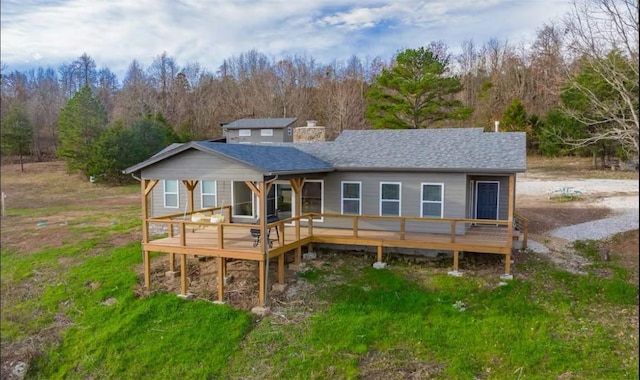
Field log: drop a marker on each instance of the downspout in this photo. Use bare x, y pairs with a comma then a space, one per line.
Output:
265, 239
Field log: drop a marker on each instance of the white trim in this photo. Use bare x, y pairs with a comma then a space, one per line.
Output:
244, 132
399, 200
266, 132
165, 193
253, 201
475, 208
342, 198
321, 182
214, 194
422, 201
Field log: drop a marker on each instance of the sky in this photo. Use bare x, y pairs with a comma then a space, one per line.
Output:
48, 33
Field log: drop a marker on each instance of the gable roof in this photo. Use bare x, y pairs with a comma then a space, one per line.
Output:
446, 149
268, 159
261, 123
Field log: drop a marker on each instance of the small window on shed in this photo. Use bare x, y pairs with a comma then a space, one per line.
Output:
244, 132
266, 132
289, 131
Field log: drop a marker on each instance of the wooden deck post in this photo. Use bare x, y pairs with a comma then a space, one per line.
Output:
379, 253
147, 269
172, 262
261, 283
191, 186
183, 274
455, 260
507, 264
281, 269
146, 187
221, 261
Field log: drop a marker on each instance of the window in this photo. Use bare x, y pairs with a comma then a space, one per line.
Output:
208, 191
242, 199
390, 198
289, 131
351, 196
266, 132
432, 200
244, 132
171, 193
312, 197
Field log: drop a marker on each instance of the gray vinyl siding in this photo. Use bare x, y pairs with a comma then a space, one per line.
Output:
279, 135
454, 198
195, 165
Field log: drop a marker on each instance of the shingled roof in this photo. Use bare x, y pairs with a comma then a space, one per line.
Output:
267, 159
446, 149
261, 123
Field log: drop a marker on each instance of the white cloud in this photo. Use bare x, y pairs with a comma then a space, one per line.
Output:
115, 32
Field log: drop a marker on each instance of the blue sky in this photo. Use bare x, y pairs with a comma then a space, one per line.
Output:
47, 33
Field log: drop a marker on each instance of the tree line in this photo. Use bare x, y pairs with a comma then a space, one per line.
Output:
573, 90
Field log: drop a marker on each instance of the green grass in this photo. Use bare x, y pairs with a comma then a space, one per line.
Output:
500, 331
445, 326
158, 337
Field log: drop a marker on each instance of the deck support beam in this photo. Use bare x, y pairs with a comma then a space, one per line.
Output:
172, 262
221, 261
455, 260
183, 274
281, 269
147, 269
261, 283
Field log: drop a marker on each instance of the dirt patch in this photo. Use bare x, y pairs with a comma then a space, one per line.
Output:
546, 214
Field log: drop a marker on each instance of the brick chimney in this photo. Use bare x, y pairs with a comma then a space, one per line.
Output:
309, 133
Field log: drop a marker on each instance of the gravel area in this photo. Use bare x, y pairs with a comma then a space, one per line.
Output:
586, 186
624, 204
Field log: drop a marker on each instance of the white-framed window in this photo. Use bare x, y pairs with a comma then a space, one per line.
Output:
171, 194
351, 197
244, 132
266, 132
390, 198
312, 197
242, 200
208, 194
432, 200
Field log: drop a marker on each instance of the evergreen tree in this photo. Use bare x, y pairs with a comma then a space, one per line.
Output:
416, 92
118, 148
17, 134
514, 117
80, 124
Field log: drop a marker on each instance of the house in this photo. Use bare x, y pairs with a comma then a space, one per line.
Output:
269, 130
447, 189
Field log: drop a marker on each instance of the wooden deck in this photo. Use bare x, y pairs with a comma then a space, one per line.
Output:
234, 240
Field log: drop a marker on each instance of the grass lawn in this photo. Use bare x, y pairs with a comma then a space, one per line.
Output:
71, 309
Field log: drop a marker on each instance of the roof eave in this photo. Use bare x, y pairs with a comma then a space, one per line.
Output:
297, 172
439, 170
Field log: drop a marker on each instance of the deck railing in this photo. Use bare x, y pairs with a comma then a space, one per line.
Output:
521, 224
451, 230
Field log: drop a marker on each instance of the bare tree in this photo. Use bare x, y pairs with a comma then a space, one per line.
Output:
603, 37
